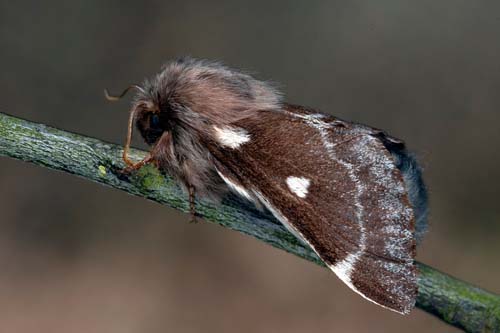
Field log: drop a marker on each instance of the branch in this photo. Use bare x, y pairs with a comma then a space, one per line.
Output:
453, 301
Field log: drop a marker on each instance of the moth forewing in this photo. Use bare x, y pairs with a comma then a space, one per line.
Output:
339, 191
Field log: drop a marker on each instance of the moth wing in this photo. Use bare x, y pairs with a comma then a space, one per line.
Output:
335, 186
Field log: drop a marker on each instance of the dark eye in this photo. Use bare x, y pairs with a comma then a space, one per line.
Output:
155, 121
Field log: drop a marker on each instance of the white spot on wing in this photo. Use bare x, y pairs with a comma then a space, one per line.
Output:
231, 137
298, 185
235, 187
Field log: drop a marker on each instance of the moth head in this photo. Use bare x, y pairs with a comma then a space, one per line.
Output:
151, 121
150, 116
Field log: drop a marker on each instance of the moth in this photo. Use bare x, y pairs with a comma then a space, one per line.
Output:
353, 193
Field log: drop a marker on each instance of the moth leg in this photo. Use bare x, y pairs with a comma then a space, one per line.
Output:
192, 206
136, 166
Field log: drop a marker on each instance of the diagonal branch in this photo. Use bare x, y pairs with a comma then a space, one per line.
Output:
453, 301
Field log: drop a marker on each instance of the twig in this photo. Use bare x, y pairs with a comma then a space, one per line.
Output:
453, 301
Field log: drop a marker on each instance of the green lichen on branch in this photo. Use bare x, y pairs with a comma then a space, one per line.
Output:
453, 301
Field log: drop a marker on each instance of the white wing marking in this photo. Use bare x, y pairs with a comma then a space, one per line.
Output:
298, 185
231, 137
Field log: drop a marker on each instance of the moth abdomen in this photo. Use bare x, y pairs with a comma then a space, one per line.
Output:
411, 171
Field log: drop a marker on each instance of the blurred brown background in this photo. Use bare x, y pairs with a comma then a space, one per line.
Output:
79, 257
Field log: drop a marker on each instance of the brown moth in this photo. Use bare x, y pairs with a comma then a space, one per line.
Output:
350, 192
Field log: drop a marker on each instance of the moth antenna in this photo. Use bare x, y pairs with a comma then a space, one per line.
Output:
126, 149
115, 98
